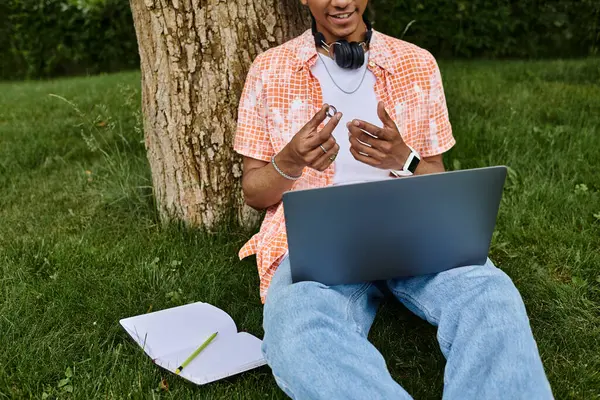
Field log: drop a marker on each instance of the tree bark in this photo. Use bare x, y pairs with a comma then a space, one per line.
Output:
194, 57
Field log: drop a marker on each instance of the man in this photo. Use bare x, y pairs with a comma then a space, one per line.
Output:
390, 106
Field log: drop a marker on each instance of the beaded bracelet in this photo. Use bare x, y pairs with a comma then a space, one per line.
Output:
286, 176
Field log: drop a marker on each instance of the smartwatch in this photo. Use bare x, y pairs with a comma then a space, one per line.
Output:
410, 166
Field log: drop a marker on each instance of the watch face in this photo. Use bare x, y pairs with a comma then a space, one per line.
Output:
413, 164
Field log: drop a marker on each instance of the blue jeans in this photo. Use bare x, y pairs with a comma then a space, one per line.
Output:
316, 336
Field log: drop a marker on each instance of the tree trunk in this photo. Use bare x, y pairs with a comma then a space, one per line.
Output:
194, 57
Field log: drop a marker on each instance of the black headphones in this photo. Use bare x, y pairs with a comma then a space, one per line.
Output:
350, 55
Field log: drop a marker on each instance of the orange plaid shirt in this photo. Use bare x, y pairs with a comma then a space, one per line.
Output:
281, 95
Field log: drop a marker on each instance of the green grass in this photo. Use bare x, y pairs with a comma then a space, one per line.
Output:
80, 246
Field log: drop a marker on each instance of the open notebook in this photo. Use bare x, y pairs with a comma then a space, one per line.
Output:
170, 336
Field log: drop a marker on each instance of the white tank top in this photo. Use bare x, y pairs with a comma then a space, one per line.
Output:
361, 104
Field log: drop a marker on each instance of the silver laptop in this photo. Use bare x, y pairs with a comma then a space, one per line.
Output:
393, 228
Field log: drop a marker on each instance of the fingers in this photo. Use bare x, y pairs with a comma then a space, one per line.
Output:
363, 149
308, 147
384, 116
326, 159
325, 133
319, 117
329, 144
367, 127
389, 130
316, 154
313, 157
382, 145
316, 120
364, 159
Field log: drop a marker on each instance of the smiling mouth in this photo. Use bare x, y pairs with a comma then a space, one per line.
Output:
342, 16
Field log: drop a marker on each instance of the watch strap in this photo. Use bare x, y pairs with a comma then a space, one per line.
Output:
411, 164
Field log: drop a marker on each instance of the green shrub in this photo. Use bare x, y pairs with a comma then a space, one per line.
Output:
43, 38
501, 28
64, 37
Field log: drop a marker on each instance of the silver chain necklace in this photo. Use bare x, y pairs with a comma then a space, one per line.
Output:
333, 80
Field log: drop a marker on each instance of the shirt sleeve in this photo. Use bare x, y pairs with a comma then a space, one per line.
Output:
251, 137
439, 136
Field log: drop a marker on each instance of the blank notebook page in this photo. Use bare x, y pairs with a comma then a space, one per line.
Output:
168, 331
224, 356
170, 336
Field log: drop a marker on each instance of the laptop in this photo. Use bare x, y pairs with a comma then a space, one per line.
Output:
393, 228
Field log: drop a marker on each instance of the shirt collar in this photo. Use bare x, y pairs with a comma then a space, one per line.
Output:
306, 52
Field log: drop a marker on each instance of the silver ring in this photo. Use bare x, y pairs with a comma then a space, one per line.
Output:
331, 111
323, 148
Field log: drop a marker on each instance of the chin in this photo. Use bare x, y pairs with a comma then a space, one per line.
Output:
342, 32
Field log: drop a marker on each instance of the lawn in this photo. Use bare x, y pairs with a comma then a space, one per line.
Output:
80, 246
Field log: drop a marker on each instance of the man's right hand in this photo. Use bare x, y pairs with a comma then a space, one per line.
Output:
309, 148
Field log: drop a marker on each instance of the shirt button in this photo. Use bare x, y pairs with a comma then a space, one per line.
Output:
371, 64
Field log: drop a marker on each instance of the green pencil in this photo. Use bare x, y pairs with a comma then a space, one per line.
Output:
195, 353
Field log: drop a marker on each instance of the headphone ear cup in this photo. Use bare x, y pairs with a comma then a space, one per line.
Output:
343, 58
337, 53
352, 56
359, 56
348, 55
362, 56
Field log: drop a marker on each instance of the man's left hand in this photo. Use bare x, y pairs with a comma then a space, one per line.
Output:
380, 147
